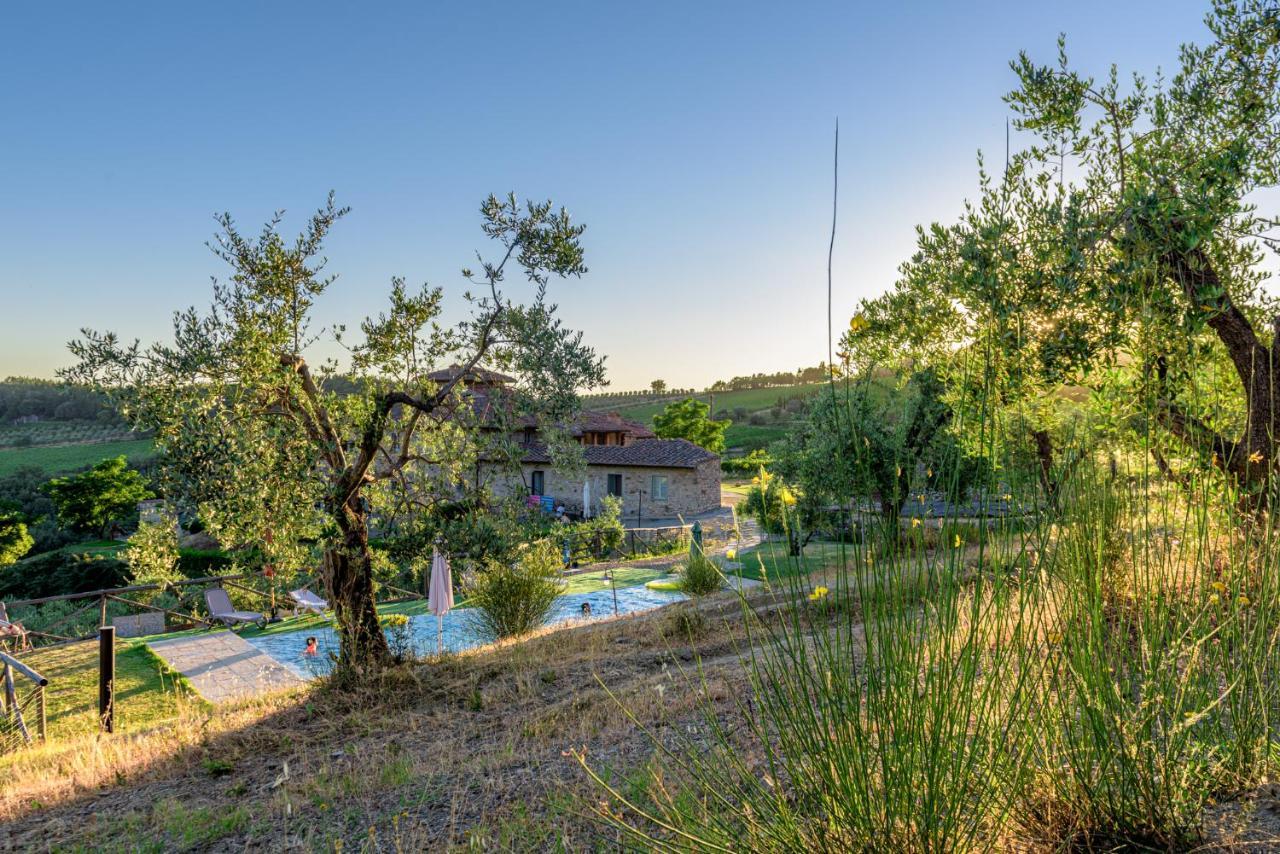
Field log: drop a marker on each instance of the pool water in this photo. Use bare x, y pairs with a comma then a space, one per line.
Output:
459, 629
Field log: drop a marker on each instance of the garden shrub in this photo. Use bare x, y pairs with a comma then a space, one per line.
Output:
746, 465
700, 576
399, 635
202, 563
509, 599
602, 533
57, 573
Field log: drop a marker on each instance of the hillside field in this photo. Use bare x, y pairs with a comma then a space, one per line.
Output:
742, 435
56, 459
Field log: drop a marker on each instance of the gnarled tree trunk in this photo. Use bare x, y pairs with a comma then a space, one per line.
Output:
349, 581
1249, 459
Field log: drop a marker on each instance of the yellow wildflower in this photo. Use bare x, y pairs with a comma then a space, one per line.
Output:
1055, 638
1242, 601
928, 472
915, 522
818, 593
1213, 460
1219, 586
755, 480
731, 553
1255, 457
959, 542
1215, 599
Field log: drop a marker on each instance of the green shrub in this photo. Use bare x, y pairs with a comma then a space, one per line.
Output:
602, 534
399, 635
513, 599
699, 575
59, 572
747, 465
198, 563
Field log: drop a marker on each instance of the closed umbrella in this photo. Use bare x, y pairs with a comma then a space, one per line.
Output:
440, 594
586, 499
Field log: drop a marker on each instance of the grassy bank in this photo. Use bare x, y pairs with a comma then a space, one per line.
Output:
146, 694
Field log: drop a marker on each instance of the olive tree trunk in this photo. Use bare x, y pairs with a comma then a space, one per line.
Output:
348, 568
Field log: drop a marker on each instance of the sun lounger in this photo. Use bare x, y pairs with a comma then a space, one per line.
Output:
309, 601
220, 609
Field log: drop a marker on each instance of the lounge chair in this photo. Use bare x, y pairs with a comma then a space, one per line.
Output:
10, 629
220, 609
309, 601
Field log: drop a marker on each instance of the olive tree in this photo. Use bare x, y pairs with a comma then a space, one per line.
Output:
279, 450
1126, 232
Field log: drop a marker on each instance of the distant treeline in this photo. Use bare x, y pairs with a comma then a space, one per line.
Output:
801, 376
52, 400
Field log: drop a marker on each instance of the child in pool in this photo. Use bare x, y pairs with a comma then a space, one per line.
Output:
586, 609
312, 647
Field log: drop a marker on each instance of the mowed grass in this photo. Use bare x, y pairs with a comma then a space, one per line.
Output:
770, 560
65, 458
146, 695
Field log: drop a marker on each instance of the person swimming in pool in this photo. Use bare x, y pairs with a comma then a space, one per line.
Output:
586, 609
312, 647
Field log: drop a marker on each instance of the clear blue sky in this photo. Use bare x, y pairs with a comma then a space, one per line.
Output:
694, 139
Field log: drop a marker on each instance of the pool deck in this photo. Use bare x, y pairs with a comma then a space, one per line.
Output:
223, 667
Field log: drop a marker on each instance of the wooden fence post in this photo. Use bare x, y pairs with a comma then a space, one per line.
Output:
106, 677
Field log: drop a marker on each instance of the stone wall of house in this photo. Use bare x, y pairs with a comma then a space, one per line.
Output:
689, 491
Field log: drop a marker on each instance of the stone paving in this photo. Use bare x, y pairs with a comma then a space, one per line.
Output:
223, 667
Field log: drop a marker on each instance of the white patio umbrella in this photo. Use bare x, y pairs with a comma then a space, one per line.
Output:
586, 499
440, 594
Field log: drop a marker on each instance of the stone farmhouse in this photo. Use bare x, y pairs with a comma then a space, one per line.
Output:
654, 478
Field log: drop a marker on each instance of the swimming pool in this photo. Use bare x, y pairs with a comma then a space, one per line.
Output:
459, 631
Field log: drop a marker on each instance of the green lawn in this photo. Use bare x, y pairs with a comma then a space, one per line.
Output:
771, 560
145, 695
629, 576
64, 458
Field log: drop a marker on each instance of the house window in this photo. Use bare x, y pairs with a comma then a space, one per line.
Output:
658, 487
615, 485
537, 482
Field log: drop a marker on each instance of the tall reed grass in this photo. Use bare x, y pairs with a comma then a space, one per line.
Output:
1094, 676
